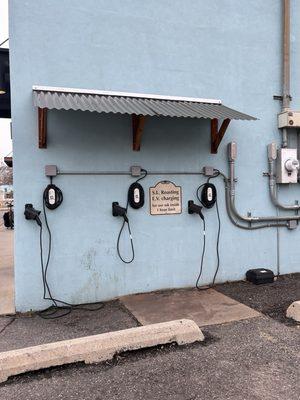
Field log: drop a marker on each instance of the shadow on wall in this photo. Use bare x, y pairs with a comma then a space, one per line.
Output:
78, 133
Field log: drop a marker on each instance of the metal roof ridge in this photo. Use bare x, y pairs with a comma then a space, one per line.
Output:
124, 94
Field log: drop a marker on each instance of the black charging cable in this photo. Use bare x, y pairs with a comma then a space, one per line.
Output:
126, 221
58, 308
209, 205
131, 242
202, 258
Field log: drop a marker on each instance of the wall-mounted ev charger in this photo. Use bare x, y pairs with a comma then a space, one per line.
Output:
208, 195
136, 195
207, 199
52, 196
136, 200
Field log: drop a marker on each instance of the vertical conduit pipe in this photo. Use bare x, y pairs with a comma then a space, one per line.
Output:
286, 96
286, 55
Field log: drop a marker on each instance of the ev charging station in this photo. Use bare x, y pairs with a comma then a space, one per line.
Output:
139, 178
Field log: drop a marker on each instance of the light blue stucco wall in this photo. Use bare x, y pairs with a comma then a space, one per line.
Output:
206, 48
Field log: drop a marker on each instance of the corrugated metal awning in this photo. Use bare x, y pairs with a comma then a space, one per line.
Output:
136, 104
133, 103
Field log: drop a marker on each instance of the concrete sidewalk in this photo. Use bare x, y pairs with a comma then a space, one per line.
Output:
7, 304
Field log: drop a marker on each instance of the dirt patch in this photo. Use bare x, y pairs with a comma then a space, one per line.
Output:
271, 299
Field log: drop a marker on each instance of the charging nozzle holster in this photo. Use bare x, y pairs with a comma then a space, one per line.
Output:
33, 214
118, 211
195, 209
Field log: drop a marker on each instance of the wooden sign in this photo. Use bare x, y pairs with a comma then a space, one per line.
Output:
165, 198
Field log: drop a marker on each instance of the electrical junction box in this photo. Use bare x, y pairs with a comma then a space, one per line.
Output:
136, 170
287, 166
51, 170
289, 119
208, 171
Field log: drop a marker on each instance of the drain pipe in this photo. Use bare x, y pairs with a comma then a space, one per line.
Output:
286, 96
272, 155
250, 219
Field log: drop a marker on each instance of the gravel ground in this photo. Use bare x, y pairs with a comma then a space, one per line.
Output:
270, 299
251, 359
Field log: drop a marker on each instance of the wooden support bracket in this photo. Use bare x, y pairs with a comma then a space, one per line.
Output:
217, 134
42, 123
138, 122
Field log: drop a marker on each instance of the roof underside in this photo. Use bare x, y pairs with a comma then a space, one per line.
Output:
127, 103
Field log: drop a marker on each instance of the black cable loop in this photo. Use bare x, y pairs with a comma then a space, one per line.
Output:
204, 237
51, 312
129, 229
131, 242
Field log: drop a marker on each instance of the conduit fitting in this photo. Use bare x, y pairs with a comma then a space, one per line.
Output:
272, 151
232, 151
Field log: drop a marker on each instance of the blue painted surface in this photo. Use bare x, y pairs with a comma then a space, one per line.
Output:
229, 50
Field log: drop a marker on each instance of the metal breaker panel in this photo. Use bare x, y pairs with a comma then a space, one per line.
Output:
287, 166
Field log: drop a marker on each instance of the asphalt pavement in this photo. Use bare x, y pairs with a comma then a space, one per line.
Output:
257, 359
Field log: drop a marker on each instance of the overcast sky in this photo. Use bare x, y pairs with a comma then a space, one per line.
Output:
5, 142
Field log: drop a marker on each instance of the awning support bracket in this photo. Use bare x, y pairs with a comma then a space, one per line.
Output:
138, 123
42, 124
217, 134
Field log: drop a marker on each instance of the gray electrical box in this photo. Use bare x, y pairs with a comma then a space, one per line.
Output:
136, 170
50, 170
289, 119
208, 171
287, 166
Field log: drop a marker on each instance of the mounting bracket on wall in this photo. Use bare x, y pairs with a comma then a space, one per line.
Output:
217, 134
138, 123
42, 122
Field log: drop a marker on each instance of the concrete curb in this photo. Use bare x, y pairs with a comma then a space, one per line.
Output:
97, 348
294, 311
